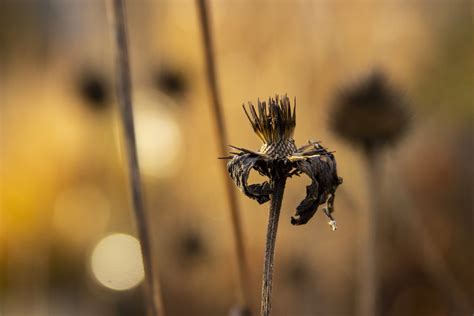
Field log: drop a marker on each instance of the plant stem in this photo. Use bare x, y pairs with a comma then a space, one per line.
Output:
221, 135
368, 255
273, 217
124, 91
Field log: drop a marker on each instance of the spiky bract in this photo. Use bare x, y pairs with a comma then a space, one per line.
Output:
273, 122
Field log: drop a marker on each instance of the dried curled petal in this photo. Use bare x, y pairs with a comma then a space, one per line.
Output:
239, 168
324, 181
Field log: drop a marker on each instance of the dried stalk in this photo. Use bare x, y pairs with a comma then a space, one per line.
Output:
368, 255
273, 217
124, 91
221, 135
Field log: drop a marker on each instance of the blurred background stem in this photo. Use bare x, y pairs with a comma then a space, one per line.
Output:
124, 93
368, 251
222, 139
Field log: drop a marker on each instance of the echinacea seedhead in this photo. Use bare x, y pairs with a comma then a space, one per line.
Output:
93, 89
172, 81
274, 123
370, 113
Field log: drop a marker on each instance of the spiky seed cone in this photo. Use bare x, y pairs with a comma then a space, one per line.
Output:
370, 113
281, 149
274, 123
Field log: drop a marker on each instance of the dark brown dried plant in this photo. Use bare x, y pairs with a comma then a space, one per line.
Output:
278, 159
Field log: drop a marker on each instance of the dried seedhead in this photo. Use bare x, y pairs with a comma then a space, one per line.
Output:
274, 123
93, 88
172, 82
370, 113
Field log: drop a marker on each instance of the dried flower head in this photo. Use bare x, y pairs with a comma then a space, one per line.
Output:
190, 246
171, 81
274, 123
93, 88
370, 113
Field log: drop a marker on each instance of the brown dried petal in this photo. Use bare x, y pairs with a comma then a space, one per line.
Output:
324, 181
239, 168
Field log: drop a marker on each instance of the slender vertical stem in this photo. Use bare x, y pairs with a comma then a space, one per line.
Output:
124, 91
273, 217
368, 272
221, 135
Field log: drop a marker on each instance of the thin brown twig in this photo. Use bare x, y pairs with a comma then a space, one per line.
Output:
124, 92
221, 135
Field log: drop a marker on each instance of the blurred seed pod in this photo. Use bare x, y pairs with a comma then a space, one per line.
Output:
297, 272
371, 112
190, 246
171, 81
94, 89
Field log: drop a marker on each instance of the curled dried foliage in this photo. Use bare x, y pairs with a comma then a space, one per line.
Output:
370, 113
280, 158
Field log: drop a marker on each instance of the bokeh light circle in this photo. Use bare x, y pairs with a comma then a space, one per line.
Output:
116, 262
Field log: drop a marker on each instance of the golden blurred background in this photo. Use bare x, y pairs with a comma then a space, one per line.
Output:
67, 244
